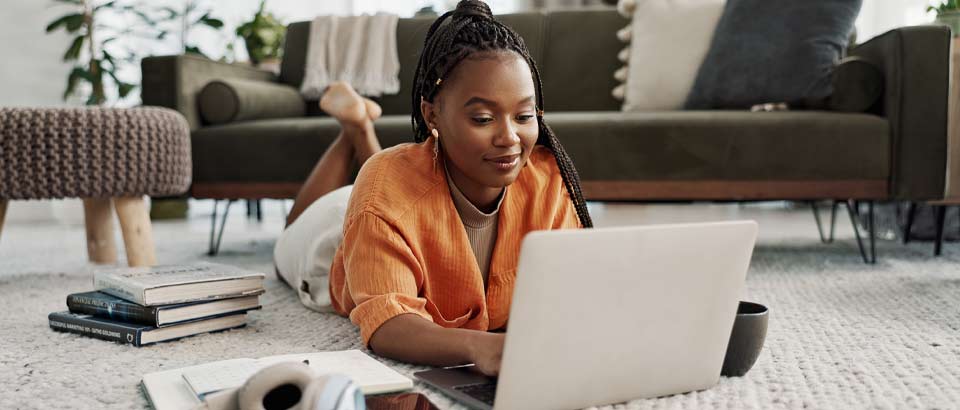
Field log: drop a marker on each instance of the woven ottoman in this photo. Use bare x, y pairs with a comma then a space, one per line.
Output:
110, 158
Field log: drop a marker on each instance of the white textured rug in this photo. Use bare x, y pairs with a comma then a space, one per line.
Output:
842, 334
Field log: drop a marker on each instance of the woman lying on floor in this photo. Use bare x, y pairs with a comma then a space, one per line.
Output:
423, 257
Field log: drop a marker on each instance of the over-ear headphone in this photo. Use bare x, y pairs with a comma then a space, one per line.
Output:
290, 385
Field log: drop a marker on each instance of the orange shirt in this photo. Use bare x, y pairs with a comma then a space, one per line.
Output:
405, 249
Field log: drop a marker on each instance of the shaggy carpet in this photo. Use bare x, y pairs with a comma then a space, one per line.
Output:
842, 334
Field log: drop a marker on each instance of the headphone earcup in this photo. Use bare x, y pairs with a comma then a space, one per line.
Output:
278, 386
333, 392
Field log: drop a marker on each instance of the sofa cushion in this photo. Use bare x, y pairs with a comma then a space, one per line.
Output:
770, 51
605, 146
278, 150
725, 145
579, 59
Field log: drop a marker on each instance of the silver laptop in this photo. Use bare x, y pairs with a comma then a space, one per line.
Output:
603, 316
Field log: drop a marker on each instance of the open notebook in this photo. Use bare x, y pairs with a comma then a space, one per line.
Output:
183, 388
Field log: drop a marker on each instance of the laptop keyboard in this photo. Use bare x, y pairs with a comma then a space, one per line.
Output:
485, 392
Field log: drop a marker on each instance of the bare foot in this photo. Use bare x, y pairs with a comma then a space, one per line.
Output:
343, 103
373, 109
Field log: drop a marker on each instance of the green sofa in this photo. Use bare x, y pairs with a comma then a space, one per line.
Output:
895, 151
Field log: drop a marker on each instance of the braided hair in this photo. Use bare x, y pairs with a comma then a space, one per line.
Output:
472, 29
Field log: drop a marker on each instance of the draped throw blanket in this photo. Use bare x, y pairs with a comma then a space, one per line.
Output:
358, 50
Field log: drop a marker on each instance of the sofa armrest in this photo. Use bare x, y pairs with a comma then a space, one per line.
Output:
175, 81
915, 62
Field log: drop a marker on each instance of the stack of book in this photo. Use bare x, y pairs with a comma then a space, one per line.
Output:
140, 306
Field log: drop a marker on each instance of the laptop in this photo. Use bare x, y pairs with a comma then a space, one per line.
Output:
602, 316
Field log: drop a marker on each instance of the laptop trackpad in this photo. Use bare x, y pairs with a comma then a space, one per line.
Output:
454, 376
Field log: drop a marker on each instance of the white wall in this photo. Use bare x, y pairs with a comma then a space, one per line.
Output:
879, 16
32, 74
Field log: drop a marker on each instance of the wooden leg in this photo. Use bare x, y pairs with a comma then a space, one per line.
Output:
137, 233
98, 218
3, 212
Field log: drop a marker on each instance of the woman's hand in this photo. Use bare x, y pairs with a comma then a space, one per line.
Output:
486, 350
413, 339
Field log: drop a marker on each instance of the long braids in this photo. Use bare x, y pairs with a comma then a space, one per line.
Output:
471, 29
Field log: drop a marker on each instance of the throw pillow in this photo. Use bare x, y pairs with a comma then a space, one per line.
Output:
228, 100
773, 51
668, 40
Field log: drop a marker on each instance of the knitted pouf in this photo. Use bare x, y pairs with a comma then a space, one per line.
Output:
108, 157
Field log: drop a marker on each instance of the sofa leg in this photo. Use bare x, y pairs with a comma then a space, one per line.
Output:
215, 244
833, 220
911, 213
137, 232
941, 216
854, 220
98, 220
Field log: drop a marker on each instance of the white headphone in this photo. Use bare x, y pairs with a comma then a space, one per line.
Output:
290, 385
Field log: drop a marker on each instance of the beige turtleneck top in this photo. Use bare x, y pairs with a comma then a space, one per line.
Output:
481, 227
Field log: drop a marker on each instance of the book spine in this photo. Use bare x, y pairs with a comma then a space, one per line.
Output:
118, 287
113, 309
95, 329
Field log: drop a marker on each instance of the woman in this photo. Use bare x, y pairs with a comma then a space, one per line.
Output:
431, 235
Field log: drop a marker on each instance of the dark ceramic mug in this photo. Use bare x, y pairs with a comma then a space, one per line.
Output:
746, 339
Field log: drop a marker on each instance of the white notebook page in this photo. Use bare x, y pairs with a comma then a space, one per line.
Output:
372, 376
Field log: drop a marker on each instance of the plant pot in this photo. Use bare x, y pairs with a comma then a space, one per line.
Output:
168, 208
950, 19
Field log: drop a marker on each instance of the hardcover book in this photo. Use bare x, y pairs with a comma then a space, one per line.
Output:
170, 284
107, 306
139, 335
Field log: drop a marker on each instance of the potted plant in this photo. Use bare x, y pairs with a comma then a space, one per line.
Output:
948, 13
96, 56
185, 21
263, 37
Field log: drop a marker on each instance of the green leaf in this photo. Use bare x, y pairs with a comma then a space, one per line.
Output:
73, 22
74, 51
77, 74
125, 88
210, 21
105, 5
109, 58
171, 13
194, 50
77, 2
143, 16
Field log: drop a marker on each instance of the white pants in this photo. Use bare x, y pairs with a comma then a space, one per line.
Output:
305, 250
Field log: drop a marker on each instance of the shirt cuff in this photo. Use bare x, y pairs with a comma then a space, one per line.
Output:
374, 312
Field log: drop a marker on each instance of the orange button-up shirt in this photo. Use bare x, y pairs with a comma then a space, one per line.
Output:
405, 249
